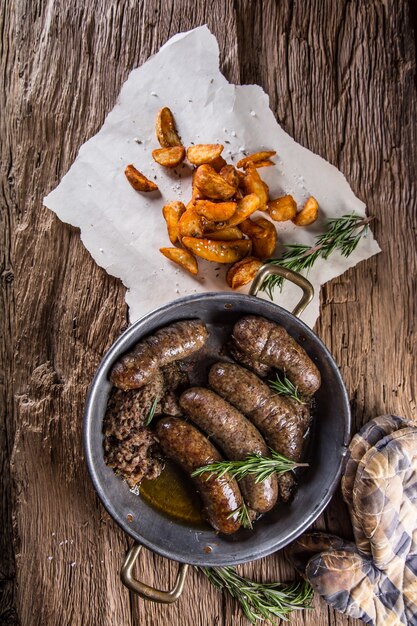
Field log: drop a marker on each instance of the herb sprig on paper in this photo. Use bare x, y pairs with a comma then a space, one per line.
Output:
261, 601
343, 234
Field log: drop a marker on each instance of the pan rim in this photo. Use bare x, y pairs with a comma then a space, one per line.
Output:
117, 348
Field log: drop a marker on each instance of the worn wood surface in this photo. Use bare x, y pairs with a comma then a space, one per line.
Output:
341, 78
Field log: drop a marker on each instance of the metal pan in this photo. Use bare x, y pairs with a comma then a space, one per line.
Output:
202, 546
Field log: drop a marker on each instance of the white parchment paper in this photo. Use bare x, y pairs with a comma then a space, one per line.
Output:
124, 229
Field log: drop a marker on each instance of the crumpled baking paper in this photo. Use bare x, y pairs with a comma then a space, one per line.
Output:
123, 229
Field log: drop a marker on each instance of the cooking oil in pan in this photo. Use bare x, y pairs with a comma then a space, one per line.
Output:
173, 494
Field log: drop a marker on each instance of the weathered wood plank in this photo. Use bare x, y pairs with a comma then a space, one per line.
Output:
341, 77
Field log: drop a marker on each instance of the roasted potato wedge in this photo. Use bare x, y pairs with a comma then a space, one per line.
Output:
245, 207
215, 211
218, 164
256, 157
252, 229
211, 184
230, 175
282, 209
264, 246
166, 131
181, 257
204, 153
242, 272
172, 213
219, 251
138, 180
265, 163
169, 157
195, 192
252, 183
190, 224
226, 234
308, 214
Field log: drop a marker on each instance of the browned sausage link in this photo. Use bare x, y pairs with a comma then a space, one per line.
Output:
269, 343
282, 422
190, 449
246, 360
168, 344
236, 436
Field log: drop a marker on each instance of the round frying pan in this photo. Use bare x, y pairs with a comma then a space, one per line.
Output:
202, 546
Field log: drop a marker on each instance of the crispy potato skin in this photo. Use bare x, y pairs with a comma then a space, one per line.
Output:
308, 214
218, 251
250, 228
242, 272
256, 157
138, 181
172, 213
169, 157
211, 184
215, 211
282, 209
263, 235
252, 183
265, 246
226, 234
190, 224
230, 175
181, 257
204, 153
266, 163
166, 131
218, 164
245, 207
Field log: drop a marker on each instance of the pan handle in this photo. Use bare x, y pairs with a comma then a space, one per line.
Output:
142, 589
268, 269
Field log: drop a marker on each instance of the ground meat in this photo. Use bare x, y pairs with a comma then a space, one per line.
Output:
130, 448
170, 404
128, 409
176, 380
175, 376
135, 456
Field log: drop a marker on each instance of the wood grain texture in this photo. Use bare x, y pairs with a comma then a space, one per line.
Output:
341, 78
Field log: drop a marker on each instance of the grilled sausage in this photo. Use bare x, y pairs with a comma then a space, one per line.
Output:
190, 449
168, 344
269, 343
236, 436
282, 421
246, 360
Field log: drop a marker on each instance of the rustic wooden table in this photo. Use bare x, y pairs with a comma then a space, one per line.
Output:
342, 81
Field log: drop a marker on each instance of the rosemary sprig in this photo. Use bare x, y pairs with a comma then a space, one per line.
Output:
343, 234
243, 516
151, 413
261, 601
262, 467
284, 387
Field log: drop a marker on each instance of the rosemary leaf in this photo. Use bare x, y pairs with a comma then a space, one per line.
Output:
343, 234
262, 467
243, 516
261, 601
151, 413
284, 387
